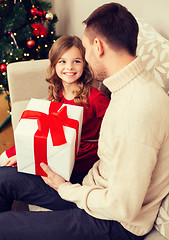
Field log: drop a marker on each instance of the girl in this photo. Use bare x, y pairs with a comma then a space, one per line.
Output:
70, 78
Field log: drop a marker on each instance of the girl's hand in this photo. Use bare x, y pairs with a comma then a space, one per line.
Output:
10, 161
53, 179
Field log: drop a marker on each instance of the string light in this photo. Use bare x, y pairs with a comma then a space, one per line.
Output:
9, 112
26, 54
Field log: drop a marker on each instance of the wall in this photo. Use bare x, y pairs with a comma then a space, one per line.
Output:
71, 13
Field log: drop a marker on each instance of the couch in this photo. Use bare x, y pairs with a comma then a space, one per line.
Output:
27, 80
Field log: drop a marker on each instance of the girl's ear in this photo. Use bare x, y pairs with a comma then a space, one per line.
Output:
98, 46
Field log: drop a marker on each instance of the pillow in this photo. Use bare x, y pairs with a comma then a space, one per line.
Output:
153, 49
162, 220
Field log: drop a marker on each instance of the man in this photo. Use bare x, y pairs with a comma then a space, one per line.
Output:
121, 195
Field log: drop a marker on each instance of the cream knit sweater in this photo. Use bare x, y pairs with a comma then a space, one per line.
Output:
131, 178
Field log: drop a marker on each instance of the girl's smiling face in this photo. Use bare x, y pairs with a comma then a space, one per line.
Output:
70, 65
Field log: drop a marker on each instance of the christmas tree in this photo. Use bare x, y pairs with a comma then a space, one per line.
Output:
27, 33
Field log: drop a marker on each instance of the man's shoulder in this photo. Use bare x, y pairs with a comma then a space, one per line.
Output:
151, 93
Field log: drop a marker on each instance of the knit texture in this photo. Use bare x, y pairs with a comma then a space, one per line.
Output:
131, 178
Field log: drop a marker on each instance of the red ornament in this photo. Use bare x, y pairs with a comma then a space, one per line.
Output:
41, 14
34, 11
30, 43
1, 0
3, 67
39, 29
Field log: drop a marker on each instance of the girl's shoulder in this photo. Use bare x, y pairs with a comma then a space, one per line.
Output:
98, 101
97, 97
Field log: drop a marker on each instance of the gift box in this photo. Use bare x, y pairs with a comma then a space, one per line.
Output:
48, 132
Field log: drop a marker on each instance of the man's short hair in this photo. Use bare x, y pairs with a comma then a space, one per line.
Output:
116, 24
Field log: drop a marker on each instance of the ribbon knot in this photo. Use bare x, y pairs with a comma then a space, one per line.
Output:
54, 121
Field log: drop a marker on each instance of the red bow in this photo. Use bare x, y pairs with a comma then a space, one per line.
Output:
39, 29
54, 121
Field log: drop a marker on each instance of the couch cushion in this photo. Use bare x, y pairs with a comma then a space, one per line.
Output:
154, 235
17, 109
162, 221
154, 51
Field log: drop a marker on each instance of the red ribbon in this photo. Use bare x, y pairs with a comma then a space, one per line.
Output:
54, 121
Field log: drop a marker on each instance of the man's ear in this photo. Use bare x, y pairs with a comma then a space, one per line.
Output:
98, 46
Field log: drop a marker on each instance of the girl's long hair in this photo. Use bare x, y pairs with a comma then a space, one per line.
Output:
61, 45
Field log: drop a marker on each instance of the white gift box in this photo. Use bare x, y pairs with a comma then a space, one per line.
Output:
60, 158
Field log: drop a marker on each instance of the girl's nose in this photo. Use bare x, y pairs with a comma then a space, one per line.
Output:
69, 65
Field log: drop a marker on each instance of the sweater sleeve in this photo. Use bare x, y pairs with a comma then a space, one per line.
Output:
11, 151
116, 198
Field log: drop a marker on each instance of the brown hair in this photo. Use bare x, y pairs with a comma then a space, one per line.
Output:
58, 48
116, 24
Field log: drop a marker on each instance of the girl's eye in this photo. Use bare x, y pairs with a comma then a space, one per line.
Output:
62, 61
77, 61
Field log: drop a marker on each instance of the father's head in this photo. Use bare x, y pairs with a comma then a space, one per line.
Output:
115, 26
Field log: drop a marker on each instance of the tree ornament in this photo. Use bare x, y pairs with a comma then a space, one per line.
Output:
30, 43
1, 0
13, 37
3, 67
41, 14
49, 16
39, 29
34, 11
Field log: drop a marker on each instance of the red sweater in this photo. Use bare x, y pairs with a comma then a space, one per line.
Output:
92, 118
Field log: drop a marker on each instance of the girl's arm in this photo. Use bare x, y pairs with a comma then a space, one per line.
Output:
8, 157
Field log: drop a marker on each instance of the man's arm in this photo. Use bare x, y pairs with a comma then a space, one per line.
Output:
121, 195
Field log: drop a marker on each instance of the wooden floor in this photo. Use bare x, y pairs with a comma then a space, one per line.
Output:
6, 134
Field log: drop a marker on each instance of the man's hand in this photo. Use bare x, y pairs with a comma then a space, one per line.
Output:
53, 179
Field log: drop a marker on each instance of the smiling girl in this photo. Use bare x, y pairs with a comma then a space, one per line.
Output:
70, 82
